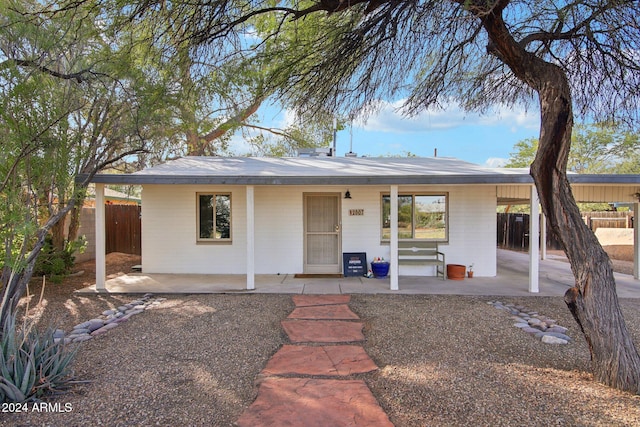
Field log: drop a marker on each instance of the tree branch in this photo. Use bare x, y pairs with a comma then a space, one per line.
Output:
79, 76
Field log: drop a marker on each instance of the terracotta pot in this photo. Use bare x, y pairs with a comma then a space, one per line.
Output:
456, 271
470, 274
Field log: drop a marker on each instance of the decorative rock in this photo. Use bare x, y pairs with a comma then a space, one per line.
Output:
534, 323
74, 336
549, 339
82, 325
86, 330
558, 335
95, 324
104, 329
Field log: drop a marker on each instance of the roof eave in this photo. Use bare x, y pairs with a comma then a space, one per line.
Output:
309, 180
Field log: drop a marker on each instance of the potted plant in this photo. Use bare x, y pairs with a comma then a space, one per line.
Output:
470, 271
380, 267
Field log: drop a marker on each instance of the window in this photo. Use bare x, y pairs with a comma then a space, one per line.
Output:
214, 217
420, 216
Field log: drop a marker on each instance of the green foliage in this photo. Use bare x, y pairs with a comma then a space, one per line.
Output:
523, 154
32, 364
597, 148
55, 263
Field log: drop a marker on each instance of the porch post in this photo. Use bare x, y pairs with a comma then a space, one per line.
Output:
636, 241
251, 241
101, 247
534, 242
393, 240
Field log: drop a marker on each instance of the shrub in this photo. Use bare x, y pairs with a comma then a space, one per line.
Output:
55, 264
32, 363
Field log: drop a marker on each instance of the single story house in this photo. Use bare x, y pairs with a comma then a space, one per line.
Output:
299, 215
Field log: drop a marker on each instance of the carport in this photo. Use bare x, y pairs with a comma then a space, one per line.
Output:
588, 188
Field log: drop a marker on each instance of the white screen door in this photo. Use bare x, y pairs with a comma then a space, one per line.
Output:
322, 233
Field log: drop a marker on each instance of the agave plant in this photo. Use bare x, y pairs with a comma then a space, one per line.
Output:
32, 363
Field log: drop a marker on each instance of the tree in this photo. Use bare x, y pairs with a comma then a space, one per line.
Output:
60, 114
594, 149
207, 99
574, 57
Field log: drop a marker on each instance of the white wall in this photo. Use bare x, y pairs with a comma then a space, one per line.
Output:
169, 228
169, 232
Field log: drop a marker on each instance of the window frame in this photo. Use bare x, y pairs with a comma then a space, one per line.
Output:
413, 195
214, 195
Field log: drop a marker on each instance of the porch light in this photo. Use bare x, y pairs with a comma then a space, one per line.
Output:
347, 195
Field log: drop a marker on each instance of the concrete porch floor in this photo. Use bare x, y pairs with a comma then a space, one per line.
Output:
511, 280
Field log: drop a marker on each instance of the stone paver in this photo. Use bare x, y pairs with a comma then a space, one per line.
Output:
333, 360
336, 312
310, 300
309, 402
323, 331
287, 396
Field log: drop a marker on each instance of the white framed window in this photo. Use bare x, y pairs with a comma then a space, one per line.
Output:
421, 216
214, 217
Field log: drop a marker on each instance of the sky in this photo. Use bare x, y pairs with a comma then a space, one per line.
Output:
482, 139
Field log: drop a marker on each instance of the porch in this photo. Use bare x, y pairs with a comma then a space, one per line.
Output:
512, 279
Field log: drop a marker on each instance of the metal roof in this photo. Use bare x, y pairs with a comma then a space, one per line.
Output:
314, 170
335, 171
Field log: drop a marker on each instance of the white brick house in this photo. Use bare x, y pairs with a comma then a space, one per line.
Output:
248, 216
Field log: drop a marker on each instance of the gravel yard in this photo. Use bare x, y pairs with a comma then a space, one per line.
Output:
444, 360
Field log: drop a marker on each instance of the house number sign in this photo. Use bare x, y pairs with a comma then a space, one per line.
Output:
356, 212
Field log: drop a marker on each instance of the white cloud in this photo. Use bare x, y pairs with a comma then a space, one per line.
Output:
389, 118
495, 162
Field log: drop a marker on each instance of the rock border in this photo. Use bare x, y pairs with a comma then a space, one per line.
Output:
533, 323
108, 320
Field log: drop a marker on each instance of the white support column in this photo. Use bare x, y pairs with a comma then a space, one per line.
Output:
251, 240
101, 246
636, 241
393, 240
534, 241
543, 236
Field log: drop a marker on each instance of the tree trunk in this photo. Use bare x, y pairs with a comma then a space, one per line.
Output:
593, 300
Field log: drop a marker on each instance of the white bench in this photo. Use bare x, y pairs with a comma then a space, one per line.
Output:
422, 252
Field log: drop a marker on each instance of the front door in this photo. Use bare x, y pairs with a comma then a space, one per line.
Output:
322, 233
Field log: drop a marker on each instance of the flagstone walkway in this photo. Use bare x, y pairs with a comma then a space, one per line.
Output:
308, 383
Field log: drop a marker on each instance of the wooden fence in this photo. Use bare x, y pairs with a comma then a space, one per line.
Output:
123, 229
513, 228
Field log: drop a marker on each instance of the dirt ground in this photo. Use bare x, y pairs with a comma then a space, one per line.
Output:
621, 257
69, 308
444, 360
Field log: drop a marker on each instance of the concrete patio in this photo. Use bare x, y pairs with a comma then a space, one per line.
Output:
511, 280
